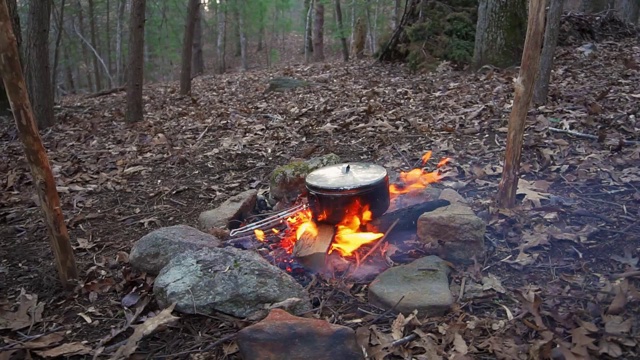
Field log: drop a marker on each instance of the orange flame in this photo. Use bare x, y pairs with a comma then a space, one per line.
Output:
417, 179
259, 234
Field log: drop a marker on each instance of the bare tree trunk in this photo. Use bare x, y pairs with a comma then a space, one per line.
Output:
94, 44
343, 38
222, 17
187, 47
108, 33
197, 66
308, 47
35, 153
119, 36
85, 54
359, 39
70, 83
500, 32
242, 32
38, 69
15, 24
521, 102
318, 33
395, 15
56, 51
135, 77
552, 29
628, 10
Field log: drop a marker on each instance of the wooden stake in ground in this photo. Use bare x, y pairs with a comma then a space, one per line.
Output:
14, 84
521, 102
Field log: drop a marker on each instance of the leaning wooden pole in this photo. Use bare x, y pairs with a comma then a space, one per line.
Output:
14, 83
521, 102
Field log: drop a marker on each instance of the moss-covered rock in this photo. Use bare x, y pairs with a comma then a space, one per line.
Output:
439, 32
288, 181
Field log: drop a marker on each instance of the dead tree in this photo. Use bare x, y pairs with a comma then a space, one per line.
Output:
552, 29
187, 47
38, 69
135, 71
522, 100
36, 156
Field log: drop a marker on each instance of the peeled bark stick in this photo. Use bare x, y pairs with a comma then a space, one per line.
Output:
43, 180
311, 250
521, 102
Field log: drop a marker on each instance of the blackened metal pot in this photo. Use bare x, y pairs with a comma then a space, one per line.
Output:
335, 190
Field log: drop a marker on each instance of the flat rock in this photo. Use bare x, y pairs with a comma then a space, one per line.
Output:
230, 213
421, 285
284, 336
154, 250
288, 181
455, 231
228, 280
452, 196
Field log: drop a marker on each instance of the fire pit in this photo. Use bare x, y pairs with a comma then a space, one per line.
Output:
345, 208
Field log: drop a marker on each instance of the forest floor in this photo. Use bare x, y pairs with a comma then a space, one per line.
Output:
561, 275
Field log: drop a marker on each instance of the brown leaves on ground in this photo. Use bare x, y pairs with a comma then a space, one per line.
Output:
560, 273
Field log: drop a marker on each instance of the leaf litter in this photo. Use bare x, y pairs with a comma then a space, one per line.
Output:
561, 270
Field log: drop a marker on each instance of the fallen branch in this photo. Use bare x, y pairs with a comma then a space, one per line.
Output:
105, 92
589, 136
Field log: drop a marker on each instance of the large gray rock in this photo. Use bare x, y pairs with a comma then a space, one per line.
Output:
154, 250
227, 280
421, 285
288, 181
230, 213
455, 230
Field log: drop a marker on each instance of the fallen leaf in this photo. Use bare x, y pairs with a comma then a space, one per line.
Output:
29, 312
144, 329
610, 348
492, 282
533, 191
615, 325
70, 349
459, 345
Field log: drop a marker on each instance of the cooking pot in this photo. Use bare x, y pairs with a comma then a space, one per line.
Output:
333, 190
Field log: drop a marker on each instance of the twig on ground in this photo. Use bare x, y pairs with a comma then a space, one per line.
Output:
374, 320
589, 136
627, 274
404, 340
197, 350
462, 284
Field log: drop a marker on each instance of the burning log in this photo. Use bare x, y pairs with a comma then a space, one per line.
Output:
311, 248
407, 217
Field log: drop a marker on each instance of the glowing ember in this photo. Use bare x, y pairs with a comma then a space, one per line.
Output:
259, 234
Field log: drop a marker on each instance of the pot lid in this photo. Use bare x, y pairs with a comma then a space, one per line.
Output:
346, 176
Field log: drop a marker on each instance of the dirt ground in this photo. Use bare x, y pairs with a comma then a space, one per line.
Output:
561, 273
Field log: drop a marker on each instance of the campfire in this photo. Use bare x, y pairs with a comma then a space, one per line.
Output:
342, 212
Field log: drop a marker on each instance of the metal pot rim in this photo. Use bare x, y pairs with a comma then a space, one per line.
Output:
347, 176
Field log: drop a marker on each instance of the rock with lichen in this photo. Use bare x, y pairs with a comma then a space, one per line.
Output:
287, 182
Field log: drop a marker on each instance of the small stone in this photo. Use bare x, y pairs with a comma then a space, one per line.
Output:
456, 231
228, 280
452, 196
421, 285
288, 181
154, 250
284, 336
230, 213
